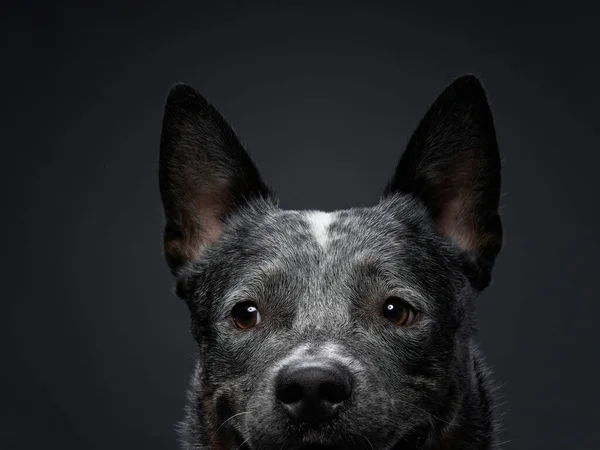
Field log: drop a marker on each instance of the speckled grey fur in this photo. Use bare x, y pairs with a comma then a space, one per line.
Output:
320, 291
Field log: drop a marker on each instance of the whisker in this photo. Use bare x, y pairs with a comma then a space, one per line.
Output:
242, 444
368, 441
428, 414
227, 420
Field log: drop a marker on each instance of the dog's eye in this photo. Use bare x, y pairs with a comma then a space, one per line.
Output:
398, 311
245, 315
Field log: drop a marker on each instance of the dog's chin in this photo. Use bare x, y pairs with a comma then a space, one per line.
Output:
411, 441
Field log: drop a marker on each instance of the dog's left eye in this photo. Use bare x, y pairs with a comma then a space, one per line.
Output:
399, 312
245, 315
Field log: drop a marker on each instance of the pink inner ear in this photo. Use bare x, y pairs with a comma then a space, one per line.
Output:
457, 201
211, 224
201, 224
206, 216
457, 222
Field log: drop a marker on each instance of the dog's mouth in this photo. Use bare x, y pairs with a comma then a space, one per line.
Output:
413, 441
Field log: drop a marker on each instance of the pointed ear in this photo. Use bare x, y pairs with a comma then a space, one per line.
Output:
204, 175
452, 164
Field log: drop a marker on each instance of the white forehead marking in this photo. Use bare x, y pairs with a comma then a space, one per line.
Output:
319, 222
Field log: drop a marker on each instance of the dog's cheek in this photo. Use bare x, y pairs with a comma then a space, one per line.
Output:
219, 444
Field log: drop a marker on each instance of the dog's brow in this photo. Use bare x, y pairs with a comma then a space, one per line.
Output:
402, 285
252, 283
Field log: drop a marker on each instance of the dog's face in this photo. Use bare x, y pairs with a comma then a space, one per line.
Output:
345, 329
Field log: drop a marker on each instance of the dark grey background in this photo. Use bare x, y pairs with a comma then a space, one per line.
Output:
95, 348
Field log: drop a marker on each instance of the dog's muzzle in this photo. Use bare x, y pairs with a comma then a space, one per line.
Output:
312, 392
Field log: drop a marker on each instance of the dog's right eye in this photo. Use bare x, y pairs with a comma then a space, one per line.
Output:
399, 312
245, 315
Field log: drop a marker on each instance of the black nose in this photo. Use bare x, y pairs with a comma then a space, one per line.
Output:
313, 392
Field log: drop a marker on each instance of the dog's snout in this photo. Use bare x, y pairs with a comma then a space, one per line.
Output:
313, 392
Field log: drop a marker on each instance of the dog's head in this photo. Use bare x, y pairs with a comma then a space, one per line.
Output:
345, 329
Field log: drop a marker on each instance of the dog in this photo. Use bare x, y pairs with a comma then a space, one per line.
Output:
351, 329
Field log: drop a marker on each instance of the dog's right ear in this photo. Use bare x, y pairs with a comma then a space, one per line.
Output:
205, 175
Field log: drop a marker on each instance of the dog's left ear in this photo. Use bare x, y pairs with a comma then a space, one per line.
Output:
452, 165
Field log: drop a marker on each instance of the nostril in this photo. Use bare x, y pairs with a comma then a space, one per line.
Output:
289, 393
